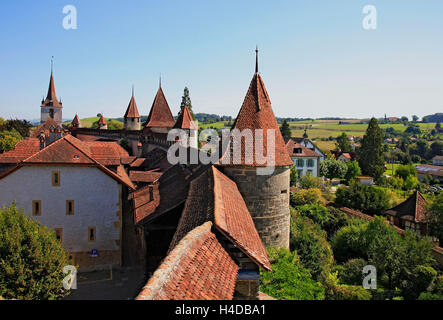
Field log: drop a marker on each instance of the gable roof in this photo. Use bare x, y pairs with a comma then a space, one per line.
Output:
132, 110
45, 128
185, 121
70, 150
413, 209
198, 268
226, 208
51, 97
256, 113
305, 152
160, 115
145, 176
22, 150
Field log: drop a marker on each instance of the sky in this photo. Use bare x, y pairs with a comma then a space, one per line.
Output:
315, 57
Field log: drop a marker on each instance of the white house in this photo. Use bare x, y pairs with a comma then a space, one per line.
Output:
66, 187
306, 161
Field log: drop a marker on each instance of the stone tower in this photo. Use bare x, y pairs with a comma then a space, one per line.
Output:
132, 117
51, 107
266, 196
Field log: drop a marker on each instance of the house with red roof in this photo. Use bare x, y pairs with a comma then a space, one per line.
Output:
75, 188
306, 161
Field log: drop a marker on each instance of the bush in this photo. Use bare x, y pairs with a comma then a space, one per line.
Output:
8, 140
307, 196
311, 245
353, 170
332, 168
336, 291
430, 296
31, 258
352, 272
404, 171
308, 182
370, 200
289, 280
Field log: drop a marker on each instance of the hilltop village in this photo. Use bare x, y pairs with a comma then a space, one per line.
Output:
203, 231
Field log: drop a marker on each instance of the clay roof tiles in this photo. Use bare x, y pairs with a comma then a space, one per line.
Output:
413, 209
256, 113
305, 152
160, 115
185, 121
132, 110
51, 97
22, 150
198, 268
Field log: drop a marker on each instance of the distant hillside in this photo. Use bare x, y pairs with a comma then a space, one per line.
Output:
436, 117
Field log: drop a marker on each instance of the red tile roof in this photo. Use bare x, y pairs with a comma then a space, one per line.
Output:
102, 120
144, 203
198, 268
45, 128
233, 219
76, 121
51, 97
132, 111
145, 176
226, 208
413, 209
70, 150
160, 115
256, 113
185, 121
304, 152
22, 150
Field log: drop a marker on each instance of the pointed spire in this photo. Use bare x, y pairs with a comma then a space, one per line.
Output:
160, 115
160, 81
132, 90
52, 65
256, 59
132, 110
51, 98
185, 121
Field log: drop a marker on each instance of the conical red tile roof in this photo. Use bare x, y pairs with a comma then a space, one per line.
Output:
76, 121
160, 115
185, 121
132, 111
256, 113
102, 120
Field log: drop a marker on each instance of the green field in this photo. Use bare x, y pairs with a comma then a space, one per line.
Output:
87, 122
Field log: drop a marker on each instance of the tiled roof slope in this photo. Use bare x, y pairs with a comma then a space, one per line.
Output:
233, 219
22, 150
145, 176
70, 150
51, 97
185, 121
256, 113
132, 111
197, 269
160, 114
45, 128
413, 209
305, 152
76, 121
214, 197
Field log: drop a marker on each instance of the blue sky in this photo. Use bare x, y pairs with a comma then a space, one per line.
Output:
315, 57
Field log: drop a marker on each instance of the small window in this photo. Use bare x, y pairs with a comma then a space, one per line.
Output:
300, 163
91, 234
59, 234
284, 191
310, 163
71, 259
69, 207
55, 178
151, 193
37, 208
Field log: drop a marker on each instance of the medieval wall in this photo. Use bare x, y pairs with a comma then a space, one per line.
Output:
267, 198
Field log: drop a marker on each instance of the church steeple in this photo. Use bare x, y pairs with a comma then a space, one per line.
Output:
51, 107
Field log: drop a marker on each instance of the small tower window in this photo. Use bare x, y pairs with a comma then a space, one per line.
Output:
56, 178
91, 234
37, 208
69, 207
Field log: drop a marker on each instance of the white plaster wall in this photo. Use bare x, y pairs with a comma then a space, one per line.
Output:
305, 168
95, 195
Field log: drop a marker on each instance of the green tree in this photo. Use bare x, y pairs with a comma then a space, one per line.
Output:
435, 210
307, 196
368, 199
293, 176
186, 102
343, 143
285, 129
289, 280
332, 168
311, 245
351, 272
8, 140
371, 159
31, 258
414, 118
336, 291
352, 171
404, 171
